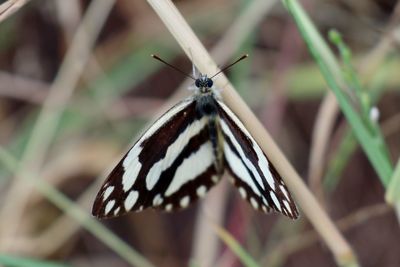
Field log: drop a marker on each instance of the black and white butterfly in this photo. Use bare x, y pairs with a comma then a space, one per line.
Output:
184, 153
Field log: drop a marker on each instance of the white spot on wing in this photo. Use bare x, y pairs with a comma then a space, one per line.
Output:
242, 192
191, 167
158, 200
131, 162
264, 208
131, 200
173, 152
201, 191
168, 207
184, 201
109, 206
108, 192
215, 178
254, 203
116, 211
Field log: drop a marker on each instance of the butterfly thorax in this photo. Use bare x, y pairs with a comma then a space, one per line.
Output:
207, 106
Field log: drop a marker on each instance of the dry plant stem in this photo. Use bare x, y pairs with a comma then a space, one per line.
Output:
230, 42
65, 227
205, 247
10, 7
68, 15
322, 130
22, 88
47, 122
192, 46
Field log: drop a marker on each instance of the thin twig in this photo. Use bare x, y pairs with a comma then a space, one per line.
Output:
205, 246
196, 51
323, 127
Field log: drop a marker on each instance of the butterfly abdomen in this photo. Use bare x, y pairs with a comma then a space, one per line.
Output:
206, 106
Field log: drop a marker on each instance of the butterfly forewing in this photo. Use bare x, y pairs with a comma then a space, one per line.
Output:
162, 169
184, 153
254, 176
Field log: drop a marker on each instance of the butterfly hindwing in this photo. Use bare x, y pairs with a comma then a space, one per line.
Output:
254, 176
162, 169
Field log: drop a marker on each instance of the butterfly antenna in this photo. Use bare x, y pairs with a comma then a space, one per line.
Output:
171, 66
230, 65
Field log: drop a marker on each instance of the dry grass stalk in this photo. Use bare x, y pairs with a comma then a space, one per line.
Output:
195, 50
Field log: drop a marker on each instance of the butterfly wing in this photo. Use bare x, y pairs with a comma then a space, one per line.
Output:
254, 176
168, 168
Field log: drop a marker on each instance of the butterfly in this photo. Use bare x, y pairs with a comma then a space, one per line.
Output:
185, 153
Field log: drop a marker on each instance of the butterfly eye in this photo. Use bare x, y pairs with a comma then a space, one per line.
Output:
209, 83
197, 83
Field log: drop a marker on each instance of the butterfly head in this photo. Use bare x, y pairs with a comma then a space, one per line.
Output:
204, 83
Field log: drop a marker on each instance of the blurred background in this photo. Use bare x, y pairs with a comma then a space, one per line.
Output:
67, 115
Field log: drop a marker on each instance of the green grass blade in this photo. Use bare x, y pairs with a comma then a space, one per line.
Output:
373, 145
236, 248
339, 161
376, 86
14, 261
393, 190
